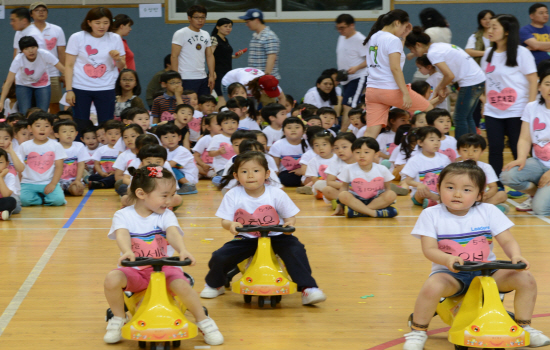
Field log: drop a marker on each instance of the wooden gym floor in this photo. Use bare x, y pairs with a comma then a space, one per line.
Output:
54, 260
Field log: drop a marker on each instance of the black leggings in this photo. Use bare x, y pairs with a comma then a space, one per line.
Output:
8, 203
108, 182
496, 130
290, 179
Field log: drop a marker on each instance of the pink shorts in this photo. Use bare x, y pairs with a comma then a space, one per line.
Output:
379, 101
138, 280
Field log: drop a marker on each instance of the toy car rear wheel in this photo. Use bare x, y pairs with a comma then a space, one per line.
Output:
247, 298
261, 301
167, 345
460, 347
190, 278
279, 297
512, 315
154, 346
142, 344
177, 343
274, 301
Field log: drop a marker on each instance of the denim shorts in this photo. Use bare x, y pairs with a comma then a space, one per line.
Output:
465, 278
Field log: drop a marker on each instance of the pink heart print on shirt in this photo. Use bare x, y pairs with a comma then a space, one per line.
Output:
477, 249
367, 189
51, 44
43, 81
195, 124
229, 152
290, 163
206, 158
95, 72
253, 71
265, 215
166, 116
40, 163
490, 68
156, 248
90, 51
504, 99
391, 147
542, 153
321, 171
107, 166
28, 71
11, 169
449, 152
537, 125
430, 180
69, 171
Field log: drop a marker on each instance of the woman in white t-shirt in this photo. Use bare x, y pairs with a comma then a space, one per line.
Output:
94, 57
532, 176
257, 84
456, 66
324, 94
386, 84
29, 70
479, 42
511, 83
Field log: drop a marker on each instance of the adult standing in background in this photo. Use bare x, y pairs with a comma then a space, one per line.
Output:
93, 58
54, 37
122, 25
263, 50
350, 56
479, 41
536, 35
191, 46
20, 21
154, 88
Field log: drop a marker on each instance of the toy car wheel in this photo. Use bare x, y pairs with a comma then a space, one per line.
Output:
205, 310
279, 297
460, 347
109, 315
512, 315
154, 346
247, 299
177, 343
274, 301
142, 345
167, 345
261, 301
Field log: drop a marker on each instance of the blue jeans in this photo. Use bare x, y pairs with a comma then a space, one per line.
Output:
530, 174
24, 97
32, 194
465, 107
104, 102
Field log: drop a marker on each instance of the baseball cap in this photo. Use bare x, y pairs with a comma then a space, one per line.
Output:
253, 14
37, 4
270, 85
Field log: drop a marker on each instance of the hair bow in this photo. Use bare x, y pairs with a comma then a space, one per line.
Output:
155, 171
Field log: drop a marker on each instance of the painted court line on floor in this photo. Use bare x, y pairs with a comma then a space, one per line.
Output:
21, 294
542, 217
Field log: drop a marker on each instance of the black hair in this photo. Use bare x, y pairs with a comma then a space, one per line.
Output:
136, 90
435, 113
367, 141
240, 159
219, 23
510, 25
182, 106
327, 110
408, 142
165, 129
467, 167
207, 120
543, 70
27, 41
310, 118
100, 126
481, 15
142, 179
95, 14
241, 102
4, 154
290, 99
69, 113
19, 125
312, 130
33, 110
152, 151
425, 131
417, 35
330, 71
471, 140
91, 129
332, 97
188, 92
385, 20
395, 113
207, 98
113, 124
133, 111
258, 133
415, 117
169, 75
423, 61
401, 132
196, 9
65, 122
251, 145
146, 139
296, 120
227, 115
532, 9
420, 87
22, 13
243, 134
345, 18
430, 17
359, 111
167, 60
40, 115
134, 127
234, 86
271, 110
324, 134
15, 117
349, 136
7, 128
124, 113
121, 20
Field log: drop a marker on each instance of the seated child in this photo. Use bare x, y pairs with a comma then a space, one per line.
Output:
139, 116
328, 118
441, 119
287, 152
130, 133
289, 104
10, 189
419, 119
15, 164
251, 170
140, 142
15, 117
204, 161
100, 134
448, 225
423, 169
164, 105
105, 157
406, 147
313, 121
77, 156
273, 114
366, 187
424, 89
182, 118
44, 159
220, 146
246, 112
261, 138
236, 139
65, 115
321, 143
396, 118
307, 157
89, 138
357, 121
132, 227
471, 147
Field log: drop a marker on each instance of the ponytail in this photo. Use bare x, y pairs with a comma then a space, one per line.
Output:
408, 139
385, 20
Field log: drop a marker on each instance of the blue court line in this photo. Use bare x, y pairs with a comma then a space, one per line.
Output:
78, 209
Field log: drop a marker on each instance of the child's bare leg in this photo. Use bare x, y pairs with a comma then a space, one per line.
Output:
76, 191
338, 211
384, 200
330, 192
114, 283
525, 286
124, 200
498, 198
176, 201
189, 297
349, 199
431, 195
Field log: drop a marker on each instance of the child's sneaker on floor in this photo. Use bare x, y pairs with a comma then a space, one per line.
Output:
513, 193
312, 296
210, 331
503, 207
114, 333
187, 189
95, 185
389, 212
209, 292
426, 203
527, 205
386, 163
5, 215
333, 204
350, 213
537, 338
211, 173
415, 340
400, 191
304, 190
319, 195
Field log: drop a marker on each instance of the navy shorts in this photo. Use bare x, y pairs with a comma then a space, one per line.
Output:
465, 278
200, 86
352, 91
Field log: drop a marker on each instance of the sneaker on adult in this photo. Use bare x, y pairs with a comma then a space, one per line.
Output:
415, 340
537, 338
114, 327
210, 293
210, 331
503, 207
350, 213
400, 191
389, 212
187, 189
527, 205
426, 203
312, 296
304, 190
5, 215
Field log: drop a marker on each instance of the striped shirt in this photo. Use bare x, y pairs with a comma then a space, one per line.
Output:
164, 103
262, 44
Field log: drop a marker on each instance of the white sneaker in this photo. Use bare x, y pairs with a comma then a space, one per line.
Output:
210, 293
312, 296
114, 333
526, 205
415, 340
5, 215
537, 338
210, 331
211, 173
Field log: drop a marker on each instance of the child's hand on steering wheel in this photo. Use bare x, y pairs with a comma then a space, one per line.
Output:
184, 254
518, 259
234, 226
128, 255
451, 260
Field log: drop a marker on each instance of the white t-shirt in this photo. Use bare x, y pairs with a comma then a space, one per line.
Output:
273, 178
94, 68
272, 135
31, 30
398, 155
192, 55
195, 126
217, 141
248, 124
13, 184
434, 81
270, 208
350, 52
465, 69
425, 170
470, 236
148, 235
366, 184
378, 51
538, 117
288, 154
75, 154
317, 166
507, 88
124, 159
439, 34
90, 163
241, 75
361, 132
314, 98
336, 166
490, 175
10, 110
40, 161
33, 74
201, 146
307, 156
106, 156
471, 43
448, 148
53, 37
385, 141
185, 163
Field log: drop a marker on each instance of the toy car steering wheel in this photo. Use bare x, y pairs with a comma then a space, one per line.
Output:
486, 267
156, 263
264, 230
